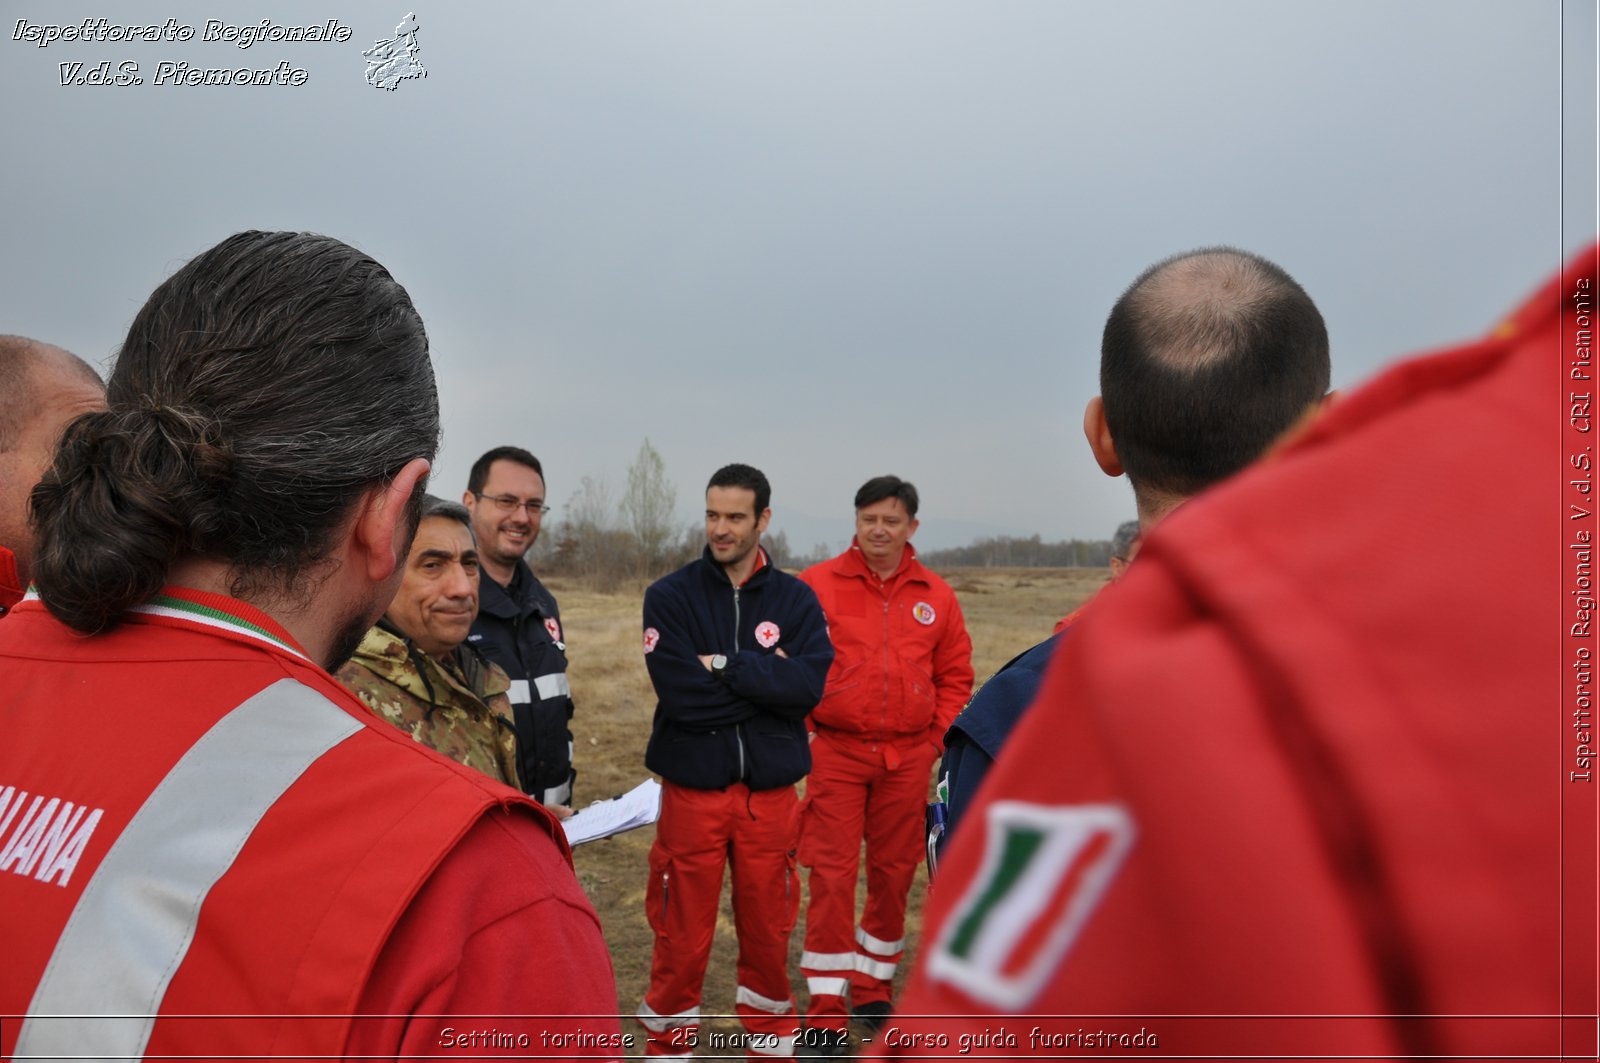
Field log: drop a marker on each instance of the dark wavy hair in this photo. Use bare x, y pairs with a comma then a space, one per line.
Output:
881, 487
479, 473
747, 476
260, 391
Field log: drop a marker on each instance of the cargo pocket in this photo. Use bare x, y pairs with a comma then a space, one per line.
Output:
801, 844
791, 892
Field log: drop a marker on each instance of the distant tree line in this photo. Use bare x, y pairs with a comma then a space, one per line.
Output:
606, 541
1007, 552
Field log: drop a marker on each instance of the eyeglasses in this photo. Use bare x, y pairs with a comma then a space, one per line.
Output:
511, 503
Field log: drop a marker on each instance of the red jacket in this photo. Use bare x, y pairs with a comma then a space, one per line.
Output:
197, 820
1310, 767
902, 662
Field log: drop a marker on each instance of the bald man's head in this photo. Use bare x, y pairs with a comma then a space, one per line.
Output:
41, 389
1207, 359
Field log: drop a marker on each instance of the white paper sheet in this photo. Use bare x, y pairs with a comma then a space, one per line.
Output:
637, 807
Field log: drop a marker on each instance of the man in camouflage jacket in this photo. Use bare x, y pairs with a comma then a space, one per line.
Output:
414, 668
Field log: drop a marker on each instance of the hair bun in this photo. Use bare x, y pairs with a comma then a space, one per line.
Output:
196, 438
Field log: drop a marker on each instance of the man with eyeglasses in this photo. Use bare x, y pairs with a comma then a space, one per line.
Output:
519, 625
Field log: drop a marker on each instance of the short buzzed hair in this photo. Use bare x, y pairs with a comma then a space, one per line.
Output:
1205, 360
881, 487
19, 385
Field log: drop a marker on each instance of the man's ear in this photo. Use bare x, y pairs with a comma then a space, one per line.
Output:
380, 538
1098, 433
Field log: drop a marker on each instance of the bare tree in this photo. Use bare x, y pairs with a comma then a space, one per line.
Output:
647, 507
592, 505
588, 542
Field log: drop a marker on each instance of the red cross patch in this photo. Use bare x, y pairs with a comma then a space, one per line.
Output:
552, 625
651, 637
767, 634
923, 613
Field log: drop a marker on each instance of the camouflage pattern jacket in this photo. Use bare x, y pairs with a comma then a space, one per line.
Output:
459, 708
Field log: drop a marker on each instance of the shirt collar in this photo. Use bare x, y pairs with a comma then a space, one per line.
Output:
218, 614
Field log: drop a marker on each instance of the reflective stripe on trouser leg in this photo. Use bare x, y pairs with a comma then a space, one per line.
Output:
895, 849
836, 984
753, 1008
686, 866
875, 957
766, 901
669, 1036
836, 793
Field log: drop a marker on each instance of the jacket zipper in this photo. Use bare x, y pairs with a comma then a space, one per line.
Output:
883, 719
738, 728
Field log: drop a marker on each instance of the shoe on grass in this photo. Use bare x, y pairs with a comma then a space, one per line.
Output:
874, 1014
814, 1043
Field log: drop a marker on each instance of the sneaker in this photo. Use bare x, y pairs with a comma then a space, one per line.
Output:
814, 1043
873, 1014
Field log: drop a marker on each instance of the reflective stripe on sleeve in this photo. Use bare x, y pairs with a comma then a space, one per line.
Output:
132, 926
518, 693
553, 685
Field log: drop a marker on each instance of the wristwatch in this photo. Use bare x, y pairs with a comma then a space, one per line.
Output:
719, 665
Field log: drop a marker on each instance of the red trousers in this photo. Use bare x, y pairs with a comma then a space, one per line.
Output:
699, 831
859, 789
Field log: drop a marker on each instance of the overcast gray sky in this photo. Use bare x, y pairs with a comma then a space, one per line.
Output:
831, 238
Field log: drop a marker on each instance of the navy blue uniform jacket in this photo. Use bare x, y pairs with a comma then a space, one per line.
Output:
749, 725
519, 628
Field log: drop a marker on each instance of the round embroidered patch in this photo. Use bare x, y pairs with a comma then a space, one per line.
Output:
923, 613
651, 637
767, 634
553, 626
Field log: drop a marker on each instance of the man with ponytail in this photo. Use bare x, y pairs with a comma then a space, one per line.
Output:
231, 856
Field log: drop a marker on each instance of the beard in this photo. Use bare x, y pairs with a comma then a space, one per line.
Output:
345, 640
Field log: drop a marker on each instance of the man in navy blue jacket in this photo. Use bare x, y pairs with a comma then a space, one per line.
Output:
738, 653
519, 625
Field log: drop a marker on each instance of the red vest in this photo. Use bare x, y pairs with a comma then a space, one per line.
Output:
199, 826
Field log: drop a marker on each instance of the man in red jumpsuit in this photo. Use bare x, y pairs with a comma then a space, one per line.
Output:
41, 389
902, 670
209, 848
1283, 795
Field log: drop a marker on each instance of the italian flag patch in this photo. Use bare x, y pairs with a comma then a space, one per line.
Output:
1045, 868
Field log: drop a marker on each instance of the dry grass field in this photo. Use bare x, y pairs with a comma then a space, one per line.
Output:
1007, 611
